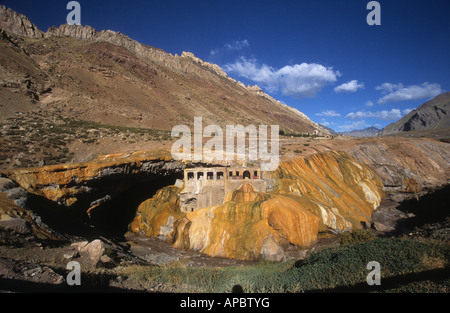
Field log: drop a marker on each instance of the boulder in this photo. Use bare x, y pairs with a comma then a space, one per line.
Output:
271, 250
93, 251
382, 228
18, 24
90, 252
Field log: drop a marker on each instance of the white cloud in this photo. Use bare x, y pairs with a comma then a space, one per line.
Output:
369, 104
237, 45
354, 125
214, 52
328, 113
351, 86
388, 87
407, 111
398, 92
392, 115
326, 123
299, 80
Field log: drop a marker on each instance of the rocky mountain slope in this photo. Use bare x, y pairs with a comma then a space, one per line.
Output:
106, 77
431, 117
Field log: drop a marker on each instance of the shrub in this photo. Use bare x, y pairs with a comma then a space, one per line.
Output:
356, 236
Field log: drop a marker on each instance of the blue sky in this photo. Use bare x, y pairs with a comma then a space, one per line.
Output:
318, 56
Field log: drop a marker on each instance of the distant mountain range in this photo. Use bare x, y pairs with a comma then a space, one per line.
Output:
433, 117
332, 131
367, 132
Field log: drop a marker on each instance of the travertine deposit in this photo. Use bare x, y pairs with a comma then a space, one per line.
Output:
328, 191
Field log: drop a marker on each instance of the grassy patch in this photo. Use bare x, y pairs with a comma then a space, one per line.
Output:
406, 265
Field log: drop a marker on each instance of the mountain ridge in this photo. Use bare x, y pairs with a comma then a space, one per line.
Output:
366, 132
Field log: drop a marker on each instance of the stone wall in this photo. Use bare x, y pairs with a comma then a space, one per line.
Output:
206, 187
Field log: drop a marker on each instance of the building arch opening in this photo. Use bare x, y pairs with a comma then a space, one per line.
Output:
247, 175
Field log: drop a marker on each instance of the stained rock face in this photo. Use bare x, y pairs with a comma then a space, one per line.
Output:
333, 186
405, 164
241, 230
155, 217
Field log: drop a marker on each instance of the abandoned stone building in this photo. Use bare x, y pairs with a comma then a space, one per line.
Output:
205, 187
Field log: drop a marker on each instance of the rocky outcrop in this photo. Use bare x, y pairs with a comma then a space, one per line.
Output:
66, 184
18, 219
18, 24
74, 199
405, 164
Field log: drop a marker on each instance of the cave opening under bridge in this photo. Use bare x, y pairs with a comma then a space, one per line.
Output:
120, 196
113, 217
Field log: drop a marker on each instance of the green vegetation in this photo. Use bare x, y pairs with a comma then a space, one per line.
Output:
405, 267
283, 133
